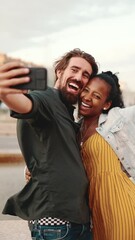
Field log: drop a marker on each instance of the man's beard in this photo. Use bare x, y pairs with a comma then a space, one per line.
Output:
68, 97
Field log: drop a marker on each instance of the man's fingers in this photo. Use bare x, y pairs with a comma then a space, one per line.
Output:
12, 70
17, 72
10, 65
11, 74
14, 81
11, 90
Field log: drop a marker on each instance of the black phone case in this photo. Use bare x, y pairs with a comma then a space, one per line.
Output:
38, 80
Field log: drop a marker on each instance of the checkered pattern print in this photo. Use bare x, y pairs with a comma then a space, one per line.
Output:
49, 221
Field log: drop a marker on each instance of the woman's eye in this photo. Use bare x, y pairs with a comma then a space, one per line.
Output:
97, 96
86, 90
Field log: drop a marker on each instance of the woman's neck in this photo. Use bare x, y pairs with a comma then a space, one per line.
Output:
90, 122
88, 128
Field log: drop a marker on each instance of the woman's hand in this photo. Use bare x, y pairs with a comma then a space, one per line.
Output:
27, 174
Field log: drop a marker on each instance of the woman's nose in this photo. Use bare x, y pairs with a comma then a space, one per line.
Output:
88, 97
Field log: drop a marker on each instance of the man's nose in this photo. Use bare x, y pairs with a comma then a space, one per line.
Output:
79, 77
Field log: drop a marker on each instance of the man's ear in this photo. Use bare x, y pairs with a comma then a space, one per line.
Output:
58, 73
57, 84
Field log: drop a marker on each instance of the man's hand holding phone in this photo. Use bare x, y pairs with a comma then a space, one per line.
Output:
9, 73
15, 78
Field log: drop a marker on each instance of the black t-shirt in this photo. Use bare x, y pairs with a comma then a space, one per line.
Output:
47, 138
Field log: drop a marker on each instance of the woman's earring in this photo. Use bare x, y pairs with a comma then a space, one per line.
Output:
104, 108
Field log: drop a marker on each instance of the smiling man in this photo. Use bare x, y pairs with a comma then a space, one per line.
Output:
54, 201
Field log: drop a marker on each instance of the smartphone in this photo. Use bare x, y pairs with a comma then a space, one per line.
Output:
38, 79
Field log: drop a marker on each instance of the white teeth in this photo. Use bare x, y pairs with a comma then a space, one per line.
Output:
85, 105
73, 85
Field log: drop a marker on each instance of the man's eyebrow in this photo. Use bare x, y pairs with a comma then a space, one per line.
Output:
80, 68
75, 67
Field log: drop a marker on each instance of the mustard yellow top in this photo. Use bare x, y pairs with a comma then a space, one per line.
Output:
111, 192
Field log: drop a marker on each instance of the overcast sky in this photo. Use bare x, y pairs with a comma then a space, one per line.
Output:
43, 30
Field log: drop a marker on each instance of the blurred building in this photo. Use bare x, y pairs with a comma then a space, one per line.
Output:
5, 58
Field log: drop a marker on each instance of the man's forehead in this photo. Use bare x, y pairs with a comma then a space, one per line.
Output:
76, 60
80, 63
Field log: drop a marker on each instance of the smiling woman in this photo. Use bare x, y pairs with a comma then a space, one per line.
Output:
107, 146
